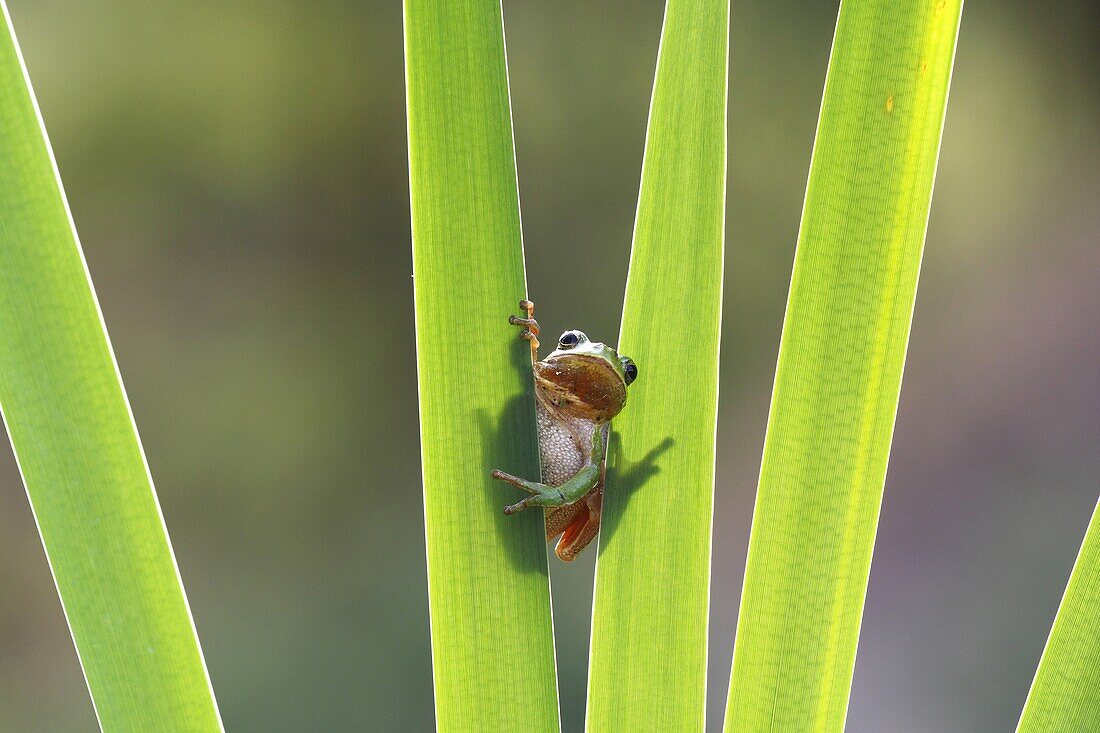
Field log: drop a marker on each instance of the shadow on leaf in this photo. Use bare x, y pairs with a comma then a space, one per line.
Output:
508, 442
623, 480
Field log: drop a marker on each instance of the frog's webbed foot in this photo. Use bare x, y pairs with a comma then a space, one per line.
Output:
531, 327
540, 494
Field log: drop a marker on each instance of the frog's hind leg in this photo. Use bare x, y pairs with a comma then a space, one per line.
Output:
540, 494
531, 330
560, 517
582, 527
579, 484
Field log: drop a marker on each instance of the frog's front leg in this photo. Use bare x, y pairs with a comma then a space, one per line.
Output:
531, 332
575, 488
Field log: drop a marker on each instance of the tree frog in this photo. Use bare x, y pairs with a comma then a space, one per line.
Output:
579, 388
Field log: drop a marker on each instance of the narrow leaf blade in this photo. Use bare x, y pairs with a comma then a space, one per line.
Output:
78, 449
492, 641
840, 364
1065, 694
649, 629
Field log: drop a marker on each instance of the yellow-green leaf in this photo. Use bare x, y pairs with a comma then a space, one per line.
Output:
840, 363
649, 633
78, 450
492, 641
1065, 695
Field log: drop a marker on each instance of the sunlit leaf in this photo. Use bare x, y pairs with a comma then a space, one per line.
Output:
840, 364
492, 642
78, 450
649, 632
1066, 692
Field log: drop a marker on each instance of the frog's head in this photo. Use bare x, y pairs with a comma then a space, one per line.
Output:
586, 378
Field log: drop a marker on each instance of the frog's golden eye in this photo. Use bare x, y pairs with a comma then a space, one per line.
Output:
568, 340
630, 369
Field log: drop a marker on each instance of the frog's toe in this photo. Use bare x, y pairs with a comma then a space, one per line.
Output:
506, 477
528, 486
532, 326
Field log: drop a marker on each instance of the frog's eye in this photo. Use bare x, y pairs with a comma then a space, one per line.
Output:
630, 369
568, 340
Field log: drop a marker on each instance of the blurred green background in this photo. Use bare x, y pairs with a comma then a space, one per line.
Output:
238, 175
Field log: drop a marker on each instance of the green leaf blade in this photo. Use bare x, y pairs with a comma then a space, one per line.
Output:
1065, 694
649, 633
78, 449
492, 640
840, 364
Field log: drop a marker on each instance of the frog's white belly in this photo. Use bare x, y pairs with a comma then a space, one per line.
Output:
558, 450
